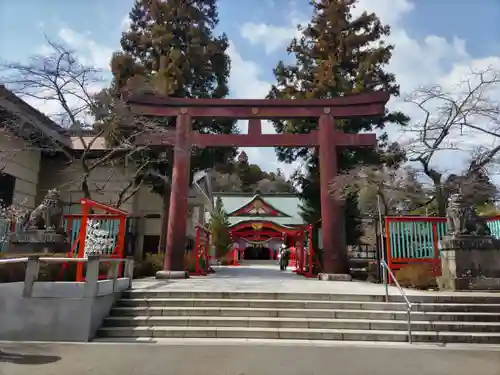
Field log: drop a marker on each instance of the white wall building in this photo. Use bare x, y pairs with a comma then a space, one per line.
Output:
34, 157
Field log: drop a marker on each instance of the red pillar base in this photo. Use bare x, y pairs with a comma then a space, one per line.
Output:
172, 275
334, 277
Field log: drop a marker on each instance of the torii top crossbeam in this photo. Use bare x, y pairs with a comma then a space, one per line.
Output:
361, 105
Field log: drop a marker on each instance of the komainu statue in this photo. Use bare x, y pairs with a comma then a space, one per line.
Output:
48, 215
463, 219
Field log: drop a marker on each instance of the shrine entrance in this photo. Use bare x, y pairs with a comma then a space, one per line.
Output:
257, 252
327, 139
261, 240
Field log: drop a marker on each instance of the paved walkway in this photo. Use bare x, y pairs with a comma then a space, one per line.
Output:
268, 278
256, 278
235, 358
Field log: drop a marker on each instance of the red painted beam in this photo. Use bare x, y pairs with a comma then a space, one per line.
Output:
163, 138
258, 238
105, 207
262, 112
346, 100
255, 233
257, 140
355, 140
260, 140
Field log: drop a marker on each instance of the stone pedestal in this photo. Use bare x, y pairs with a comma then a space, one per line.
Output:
172, 275
38, 241
334, 277
470, 263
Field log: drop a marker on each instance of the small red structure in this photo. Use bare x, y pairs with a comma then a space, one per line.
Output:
415, 240
327, 138
107, 217
200, 254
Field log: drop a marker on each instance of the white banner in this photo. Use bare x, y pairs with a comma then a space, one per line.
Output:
98, 241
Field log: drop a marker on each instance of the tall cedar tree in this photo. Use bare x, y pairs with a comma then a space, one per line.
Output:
337, 54
171, 46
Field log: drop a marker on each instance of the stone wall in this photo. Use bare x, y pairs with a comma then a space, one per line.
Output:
57, 311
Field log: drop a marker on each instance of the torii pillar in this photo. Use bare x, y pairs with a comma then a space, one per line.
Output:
174, 264
335, 262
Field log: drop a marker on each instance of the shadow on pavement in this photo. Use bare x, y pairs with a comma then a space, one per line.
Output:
27, 359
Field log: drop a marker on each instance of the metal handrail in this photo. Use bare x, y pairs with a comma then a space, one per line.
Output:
61, 260
409, 305
13, 260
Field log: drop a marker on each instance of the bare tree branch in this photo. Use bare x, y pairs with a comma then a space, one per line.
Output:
457, 120
398, 189
100, 120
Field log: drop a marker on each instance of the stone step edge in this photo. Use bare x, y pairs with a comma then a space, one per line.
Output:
301, 320
326, 302
437, 334
322, 296
277, 310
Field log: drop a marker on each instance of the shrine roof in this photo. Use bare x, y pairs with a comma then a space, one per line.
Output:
283, 221
285, 207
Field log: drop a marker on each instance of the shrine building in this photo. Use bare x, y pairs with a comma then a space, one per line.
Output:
37, 154
261, 223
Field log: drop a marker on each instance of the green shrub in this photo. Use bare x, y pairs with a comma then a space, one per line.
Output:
226, 260
11, 272
191, 262
373, 270
138, 270
15, 272
151, 264
317, 261
418, 276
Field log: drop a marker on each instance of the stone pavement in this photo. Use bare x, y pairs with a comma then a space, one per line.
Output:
234, 357
268, 278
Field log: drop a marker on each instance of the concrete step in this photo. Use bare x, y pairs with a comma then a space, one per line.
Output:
305, 313
304, 304
298, 334
490, 298
313, 323
250, 295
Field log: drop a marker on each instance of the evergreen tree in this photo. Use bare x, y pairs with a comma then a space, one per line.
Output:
337, 54
219, 227
240, 176
171, 48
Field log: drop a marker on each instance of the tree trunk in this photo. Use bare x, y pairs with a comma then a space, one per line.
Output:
165, 198
85, 187
436, 178
440, 200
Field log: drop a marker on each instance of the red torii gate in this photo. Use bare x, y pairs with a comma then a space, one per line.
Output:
327, 138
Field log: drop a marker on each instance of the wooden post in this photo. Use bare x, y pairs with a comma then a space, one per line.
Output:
81, 241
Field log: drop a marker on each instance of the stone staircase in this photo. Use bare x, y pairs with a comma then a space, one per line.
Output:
311, 316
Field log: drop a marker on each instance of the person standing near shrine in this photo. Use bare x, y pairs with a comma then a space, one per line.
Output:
284, 255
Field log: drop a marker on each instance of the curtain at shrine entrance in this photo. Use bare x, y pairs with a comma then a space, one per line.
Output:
257, 253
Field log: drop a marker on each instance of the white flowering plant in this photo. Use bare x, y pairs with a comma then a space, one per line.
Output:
97, 240
12, 213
